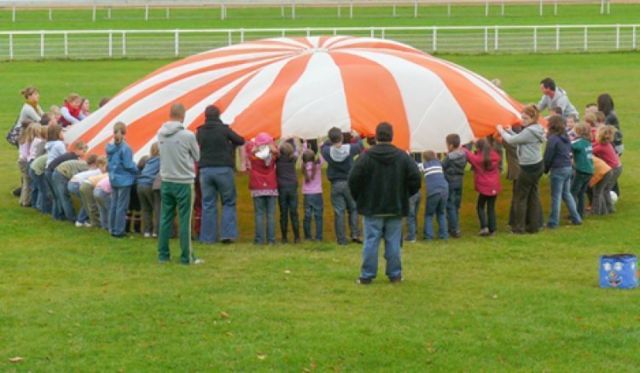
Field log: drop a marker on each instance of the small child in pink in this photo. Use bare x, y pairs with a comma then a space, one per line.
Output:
312, 193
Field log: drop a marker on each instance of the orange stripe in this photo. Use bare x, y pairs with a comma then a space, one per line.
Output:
372, 97
265, 114
115, 112
482, 111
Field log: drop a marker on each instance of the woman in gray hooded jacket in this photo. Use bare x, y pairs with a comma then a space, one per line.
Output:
527, 208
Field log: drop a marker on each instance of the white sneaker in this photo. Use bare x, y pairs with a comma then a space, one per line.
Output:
155, 235
79, 224
87, 225
147, 235
198, 261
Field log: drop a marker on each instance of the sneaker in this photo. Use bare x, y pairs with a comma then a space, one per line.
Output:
79, 224
154, 235
363, 281
147, 235
410, 241
198, 261
356, 240
87, 225
227, 241
484, 232
455, 234
396, 280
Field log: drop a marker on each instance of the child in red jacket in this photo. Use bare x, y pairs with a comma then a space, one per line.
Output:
485, 162
261, 155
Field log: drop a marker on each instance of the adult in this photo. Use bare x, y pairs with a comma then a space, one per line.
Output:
555, 97
217, 159
381, 182
30, 112
526, 199
179, 153
557, 162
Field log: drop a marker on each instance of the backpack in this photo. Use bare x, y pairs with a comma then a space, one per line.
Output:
14, 134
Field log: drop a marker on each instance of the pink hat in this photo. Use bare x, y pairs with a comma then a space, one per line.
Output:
263, 138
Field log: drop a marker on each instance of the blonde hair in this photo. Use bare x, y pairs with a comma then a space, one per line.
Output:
590, 119
532, 112
54, 132
92, 159
583, 130
79, 145
605, 134
429, 155
28, 91
28, 134
73, 97
101, 162
119, 130
600, 118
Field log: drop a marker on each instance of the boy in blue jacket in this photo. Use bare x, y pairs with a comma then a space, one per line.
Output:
122, 176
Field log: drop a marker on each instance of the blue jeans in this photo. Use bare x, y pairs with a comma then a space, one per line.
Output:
74, 190
561, 190
412, 217
342, 201
118, 210
42, 201
103, 200
56, 209
288, 202
313, 208
214, 181
375, 229
63, 198
436, 206
453, 210
265, 208
579, 187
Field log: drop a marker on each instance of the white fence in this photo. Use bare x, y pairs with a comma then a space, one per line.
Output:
103, 44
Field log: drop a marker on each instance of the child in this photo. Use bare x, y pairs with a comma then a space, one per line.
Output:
150, 199
122, 175
603, 149
70, 111
87, 189
312, 193
85, 107
102, 195
437, 195
61, 170
583, 162
262, 155
571, 122
27, 136
486, 177
36, 172
414, 206
453, 166
339, 158
288, 191
96, 166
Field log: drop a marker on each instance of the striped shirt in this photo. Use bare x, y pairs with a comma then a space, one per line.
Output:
434, 177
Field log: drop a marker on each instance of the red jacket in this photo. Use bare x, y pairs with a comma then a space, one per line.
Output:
607, 153
261, 176
75, 112
487, 182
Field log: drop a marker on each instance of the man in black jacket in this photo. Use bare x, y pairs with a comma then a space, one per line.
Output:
217, 145
381, 182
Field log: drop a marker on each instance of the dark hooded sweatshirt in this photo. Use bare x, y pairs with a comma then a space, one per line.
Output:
382, 180
558, 152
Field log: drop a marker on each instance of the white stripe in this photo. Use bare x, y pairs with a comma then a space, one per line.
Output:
353, 42
255, 88
164, 96
427, 173
77, 130
432, 111
317, 101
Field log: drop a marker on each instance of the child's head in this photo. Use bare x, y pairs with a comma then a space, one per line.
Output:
484, 148
28, 133
429, 155
605, 103
103, 101
605, 134
556, 110
91, 161
31, 94
74, 100
44, 131
583, 130
54, 112
590, 108
453, 141
155, 150
85, 105
119, 130
335, 136
308, 156
571, 121
54, 132
590, 119
600, 118
556, 126
79, 148
286, 150
529, 115
101, 164
142, 162
371, 140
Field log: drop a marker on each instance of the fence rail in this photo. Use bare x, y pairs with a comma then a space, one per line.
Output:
104, 44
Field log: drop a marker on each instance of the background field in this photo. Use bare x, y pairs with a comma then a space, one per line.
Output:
75, 299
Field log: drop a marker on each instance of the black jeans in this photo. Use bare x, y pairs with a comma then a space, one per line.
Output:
288, 201
527, 208
487, 218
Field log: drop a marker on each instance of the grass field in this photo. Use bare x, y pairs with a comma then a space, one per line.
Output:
75, 300
319, 17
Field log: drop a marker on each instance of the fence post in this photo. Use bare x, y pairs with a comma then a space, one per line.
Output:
434, 45
242, 35
617, 36
448, 9
541, 7
382, 31
10, 46
167, 13
109, 13
633, 37
146, 12
486, 39
602, 6
502, 8
293, 10
415, 8
281, 10
124, 43
41, 44
339, 10
372, 33
555, 8
50, 14
176, 43
535, 40
394, 12
93, 14
110, 43
283, 33
223, 12
229, 38
496, 38
486, 8
13, 14
586, 38
308, 32
557, 38
66, 44
350, 9
608, 7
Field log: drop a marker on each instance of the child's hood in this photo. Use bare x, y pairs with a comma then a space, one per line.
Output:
537, 131
51, 144
383, 153
340, 153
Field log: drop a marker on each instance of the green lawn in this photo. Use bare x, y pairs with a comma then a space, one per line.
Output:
76, 300
319, 17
